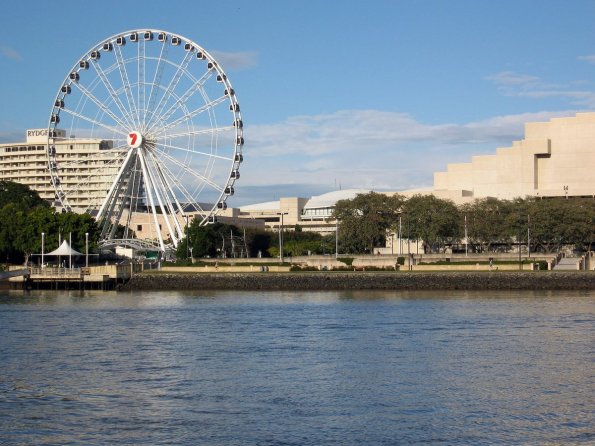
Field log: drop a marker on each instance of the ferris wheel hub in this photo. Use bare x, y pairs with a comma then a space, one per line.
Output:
134, 139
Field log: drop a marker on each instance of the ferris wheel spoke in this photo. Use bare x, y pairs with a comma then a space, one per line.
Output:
192, 173
197, 152
116, 156
189, 115
156, 81
170, 90
126, 84
95, 122
111, 163
112, 92
100, 104
173, 179
140, 86
201, 132
197, 85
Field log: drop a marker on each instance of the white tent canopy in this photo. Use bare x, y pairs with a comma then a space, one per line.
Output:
64, 250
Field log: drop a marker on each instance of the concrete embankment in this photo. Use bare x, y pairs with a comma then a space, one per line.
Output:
364, 281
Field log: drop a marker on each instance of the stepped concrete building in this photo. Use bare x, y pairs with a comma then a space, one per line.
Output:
554, 159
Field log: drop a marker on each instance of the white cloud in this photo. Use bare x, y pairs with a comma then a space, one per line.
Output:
511, 78
370, 148
10, 53
590, 59
235, 61
510, 83
356, 130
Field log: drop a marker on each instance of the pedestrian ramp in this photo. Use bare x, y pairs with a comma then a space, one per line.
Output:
568, 264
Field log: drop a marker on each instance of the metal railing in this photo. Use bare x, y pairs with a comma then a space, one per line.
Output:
58, 273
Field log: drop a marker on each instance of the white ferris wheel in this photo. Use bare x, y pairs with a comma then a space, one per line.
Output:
144, 132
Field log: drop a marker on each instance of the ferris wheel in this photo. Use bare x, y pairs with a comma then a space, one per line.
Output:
145, 132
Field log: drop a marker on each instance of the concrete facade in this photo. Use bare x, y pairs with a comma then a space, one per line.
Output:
554, 159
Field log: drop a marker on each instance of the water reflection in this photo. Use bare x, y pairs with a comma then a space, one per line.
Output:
222, 367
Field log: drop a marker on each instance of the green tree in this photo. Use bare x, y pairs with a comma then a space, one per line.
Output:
556, 222
24, 217
258, 241
486, 222
33, 223
434, 221
299, 243
77, 225
20, 195
365, 220
11, 220
211, 240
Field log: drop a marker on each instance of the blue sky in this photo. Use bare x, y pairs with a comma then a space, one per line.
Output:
364, 94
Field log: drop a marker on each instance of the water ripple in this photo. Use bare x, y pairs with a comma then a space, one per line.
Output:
328, 368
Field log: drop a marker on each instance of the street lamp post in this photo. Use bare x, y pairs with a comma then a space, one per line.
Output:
42, 246
336, 238
519, 246
281, 236
400, 237
466, 239
528, 236
186, 236
86, 249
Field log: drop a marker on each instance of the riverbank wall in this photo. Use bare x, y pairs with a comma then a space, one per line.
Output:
496, 280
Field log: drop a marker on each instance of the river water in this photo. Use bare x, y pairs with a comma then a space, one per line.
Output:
295, 368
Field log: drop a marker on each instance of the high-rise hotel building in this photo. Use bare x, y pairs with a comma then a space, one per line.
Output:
86, 167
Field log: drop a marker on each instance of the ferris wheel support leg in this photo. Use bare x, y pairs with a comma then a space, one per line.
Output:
110, 223
121, 204
169, 190
134, 196
161, 196
148, 190
123, 169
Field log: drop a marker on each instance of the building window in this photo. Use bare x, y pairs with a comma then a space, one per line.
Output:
139, 227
